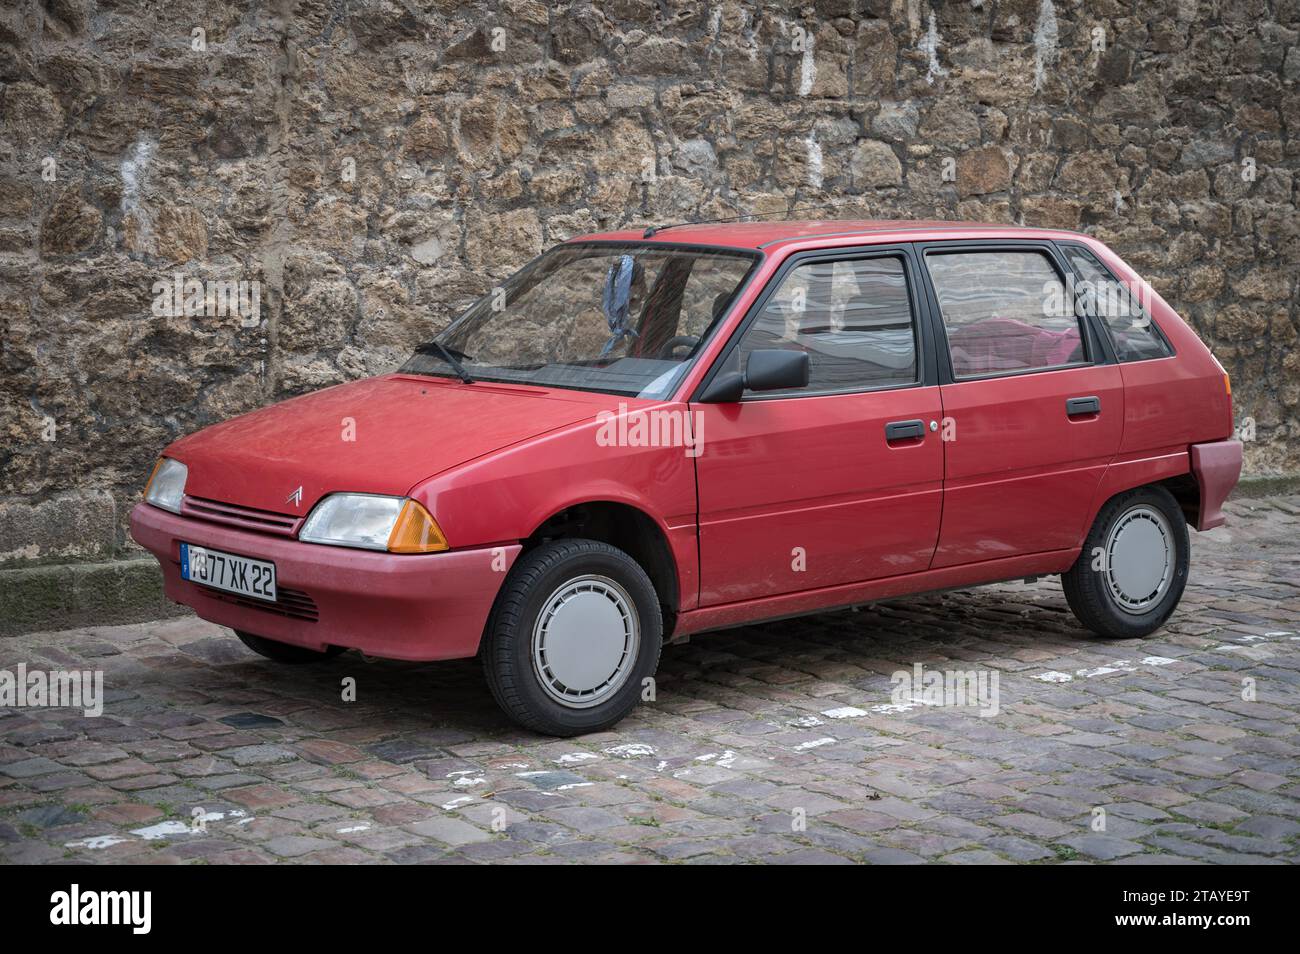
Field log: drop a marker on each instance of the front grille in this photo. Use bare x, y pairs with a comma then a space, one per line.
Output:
245, 518
294, 604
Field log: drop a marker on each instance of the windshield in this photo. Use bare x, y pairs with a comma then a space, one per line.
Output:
624, 319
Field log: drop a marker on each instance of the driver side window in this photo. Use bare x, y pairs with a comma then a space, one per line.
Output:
852, 317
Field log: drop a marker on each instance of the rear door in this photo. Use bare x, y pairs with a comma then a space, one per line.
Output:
1033, 400
840, 481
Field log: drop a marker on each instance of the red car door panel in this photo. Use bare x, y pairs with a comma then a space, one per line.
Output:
1021, 473
801, 493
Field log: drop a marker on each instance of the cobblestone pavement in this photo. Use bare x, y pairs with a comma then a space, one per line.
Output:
777, 743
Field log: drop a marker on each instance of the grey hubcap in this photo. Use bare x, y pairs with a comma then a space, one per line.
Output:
585, 641
1140, 558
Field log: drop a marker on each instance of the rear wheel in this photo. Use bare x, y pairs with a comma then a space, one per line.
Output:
284, 652
1132, 570
575, 632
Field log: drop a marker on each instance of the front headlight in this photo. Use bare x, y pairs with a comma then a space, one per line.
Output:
373, 522
166, 484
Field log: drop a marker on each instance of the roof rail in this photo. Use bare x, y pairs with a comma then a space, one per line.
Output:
654, 229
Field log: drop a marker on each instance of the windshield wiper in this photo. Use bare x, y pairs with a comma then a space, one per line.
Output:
448, 355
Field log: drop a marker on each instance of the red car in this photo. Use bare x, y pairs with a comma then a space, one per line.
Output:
641, 436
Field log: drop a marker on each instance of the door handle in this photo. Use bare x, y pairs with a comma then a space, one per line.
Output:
904, 430
1082, 405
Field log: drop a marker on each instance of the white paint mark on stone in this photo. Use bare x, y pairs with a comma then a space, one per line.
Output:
929, 45
1119, 665
1046, 36
845, 712
218, 816
457, 802
351, 829
806, 722
468, 782
565, 788
1053, 676
630, 750
572, 758
133, 170
814, 149
97, 842
894, 708
163, 830
814, 744
725, 760
169, 828
1158, 661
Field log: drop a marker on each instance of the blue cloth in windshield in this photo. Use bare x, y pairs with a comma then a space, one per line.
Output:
616, 301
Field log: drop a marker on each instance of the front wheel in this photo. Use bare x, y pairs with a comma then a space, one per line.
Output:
1131, 573
574, 635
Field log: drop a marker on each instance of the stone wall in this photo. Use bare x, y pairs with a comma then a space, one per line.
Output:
370, 166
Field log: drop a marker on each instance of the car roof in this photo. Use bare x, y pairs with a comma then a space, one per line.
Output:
766, 235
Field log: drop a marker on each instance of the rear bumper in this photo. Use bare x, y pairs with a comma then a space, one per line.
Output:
1217, 466
418, 607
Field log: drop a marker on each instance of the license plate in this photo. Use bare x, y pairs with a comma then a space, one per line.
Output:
226, 571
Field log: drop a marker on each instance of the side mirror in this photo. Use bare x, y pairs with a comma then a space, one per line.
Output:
769, 369
773, 369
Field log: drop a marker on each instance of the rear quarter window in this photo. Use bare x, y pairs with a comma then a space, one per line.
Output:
1131, 328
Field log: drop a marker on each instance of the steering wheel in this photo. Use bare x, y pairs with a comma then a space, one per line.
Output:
678, 341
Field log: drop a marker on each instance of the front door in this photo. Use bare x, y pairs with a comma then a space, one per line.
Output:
840, 481
1033, 403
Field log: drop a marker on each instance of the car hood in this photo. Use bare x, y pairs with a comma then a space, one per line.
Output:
380, 435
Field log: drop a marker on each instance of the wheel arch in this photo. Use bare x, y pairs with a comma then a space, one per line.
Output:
1171, 469
630, 529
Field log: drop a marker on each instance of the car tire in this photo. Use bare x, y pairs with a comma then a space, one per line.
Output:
1132, 570
284, 652
573, 635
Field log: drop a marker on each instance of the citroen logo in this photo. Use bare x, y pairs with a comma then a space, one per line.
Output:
295, 498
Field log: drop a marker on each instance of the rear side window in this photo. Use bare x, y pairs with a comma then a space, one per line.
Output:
1135, 335
853, 317
1005, 311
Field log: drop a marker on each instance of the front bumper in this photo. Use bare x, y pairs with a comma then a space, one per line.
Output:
399, 606
1217, 466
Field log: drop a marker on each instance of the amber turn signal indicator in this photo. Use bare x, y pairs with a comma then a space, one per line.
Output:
1227, 383
416, 532
152, 474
